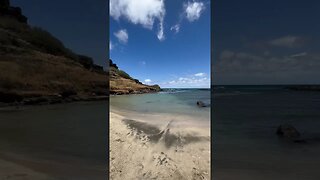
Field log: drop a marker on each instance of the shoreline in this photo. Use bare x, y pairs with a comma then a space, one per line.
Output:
143, 150
132, 92
179, 121
50, 100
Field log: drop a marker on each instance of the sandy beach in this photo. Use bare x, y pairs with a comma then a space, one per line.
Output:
15, 166
139, 150
51, 142
14, 171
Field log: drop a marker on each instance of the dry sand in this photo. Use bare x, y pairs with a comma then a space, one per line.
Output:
139, 150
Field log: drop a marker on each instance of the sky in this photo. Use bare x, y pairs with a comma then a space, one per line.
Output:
81, 25
162, 42
266, 42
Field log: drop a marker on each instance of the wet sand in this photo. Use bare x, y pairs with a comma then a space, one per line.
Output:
20, 167
140, 150
63, 141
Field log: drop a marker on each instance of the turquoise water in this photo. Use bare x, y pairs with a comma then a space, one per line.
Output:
169, 101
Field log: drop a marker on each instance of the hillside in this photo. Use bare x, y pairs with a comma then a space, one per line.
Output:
37, 68
122, 83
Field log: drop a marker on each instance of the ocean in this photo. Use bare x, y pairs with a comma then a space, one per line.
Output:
245, 144
173, 102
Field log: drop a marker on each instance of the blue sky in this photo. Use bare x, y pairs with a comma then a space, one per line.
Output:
266, 42
162, 42
80, 25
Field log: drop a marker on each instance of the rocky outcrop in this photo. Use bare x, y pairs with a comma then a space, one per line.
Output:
201, 104
12, 12
112, 65
123, 83
288, 131
4, 5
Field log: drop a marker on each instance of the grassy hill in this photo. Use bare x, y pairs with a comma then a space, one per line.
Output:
36, 67
122, 83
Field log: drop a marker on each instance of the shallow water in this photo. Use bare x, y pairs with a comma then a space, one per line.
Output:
176, 101
245, 119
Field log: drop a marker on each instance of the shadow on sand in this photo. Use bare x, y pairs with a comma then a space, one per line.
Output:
156, 135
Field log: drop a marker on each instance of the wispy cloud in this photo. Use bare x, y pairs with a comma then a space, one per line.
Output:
143, 63
244, 67
200, 74
143, 12
193, 10
111, 46
195, 80
175, 28
288, 41
147, 81
299, 55
122, 36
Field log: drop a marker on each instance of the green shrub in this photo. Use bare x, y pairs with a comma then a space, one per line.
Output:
124, 74
37, 37
45, 41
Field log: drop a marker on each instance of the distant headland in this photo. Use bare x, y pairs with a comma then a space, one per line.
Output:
123, 83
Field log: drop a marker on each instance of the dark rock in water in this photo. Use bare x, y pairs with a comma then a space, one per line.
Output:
201, 104
288, 131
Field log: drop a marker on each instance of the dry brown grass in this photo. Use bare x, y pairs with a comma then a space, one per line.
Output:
122, 85
46, 74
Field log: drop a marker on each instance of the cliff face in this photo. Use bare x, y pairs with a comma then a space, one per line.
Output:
122, 83
36, 66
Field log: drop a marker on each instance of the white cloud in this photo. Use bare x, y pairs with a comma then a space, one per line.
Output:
287, 41
122, 35
193, 10
189, 81
143, 12
160, 34
249, 68
143, 63
299, 55
200, 74
148, 81
175, 28
110, 46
